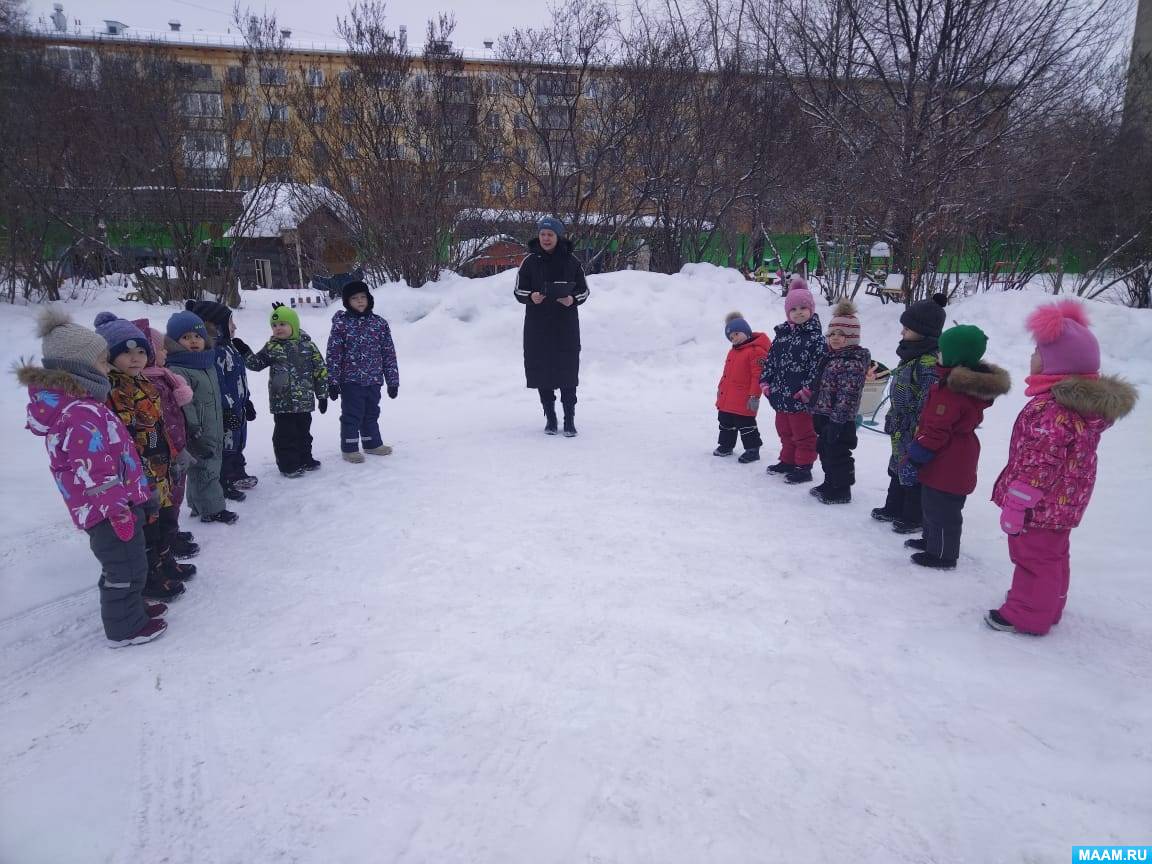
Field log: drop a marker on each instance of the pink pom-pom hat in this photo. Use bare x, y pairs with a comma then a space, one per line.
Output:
1066, 345
798, 296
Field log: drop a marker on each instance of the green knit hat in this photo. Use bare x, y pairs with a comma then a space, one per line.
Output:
287, 315
962, 345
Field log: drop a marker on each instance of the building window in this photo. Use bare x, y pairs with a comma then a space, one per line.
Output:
205, 150
521, 155
521, 188
521, 121
239, 111
495, 188
354, 184
242, 149
243, 183
315, 77
279, 147
273, 76
496, 154
194, 71
492, 121
347, 116
347, 78
318, 115
349, 151
276, 112
518, 88
237, 75
69, 59
203, 105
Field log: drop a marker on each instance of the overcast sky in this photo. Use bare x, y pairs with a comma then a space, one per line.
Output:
310, 20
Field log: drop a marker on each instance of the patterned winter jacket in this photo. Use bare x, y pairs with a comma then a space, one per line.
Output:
908, 389
791, 363
947, 430
204, 415
839, 383
297, 377
1053, 447
232, 375
740, 381
174, 395
360, 350
92, 458
136, 402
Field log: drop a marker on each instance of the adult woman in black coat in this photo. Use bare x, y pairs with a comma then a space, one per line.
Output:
551, 286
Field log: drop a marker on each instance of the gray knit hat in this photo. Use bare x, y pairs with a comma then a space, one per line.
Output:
65, 342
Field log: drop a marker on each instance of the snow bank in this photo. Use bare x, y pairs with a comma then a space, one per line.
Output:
499, 647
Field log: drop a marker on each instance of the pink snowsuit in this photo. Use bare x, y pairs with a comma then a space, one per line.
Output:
1053, 452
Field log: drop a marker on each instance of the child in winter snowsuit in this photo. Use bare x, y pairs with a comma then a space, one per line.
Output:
96, 469
788, 370
923, 321
946, 451
361, 357
835, 400
738, 396
296, 382
1047, 483
174, 395
190, 356
136, 402
232, 377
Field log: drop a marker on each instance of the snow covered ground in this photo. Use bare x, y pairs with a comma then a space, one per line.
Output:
499, 647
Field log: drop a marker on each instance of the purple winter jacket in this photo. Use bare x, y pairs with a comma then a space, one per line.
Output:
360, 350
90, 453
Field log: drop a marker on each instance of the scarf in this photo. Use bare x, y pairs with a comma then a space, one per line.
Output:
1039, 384
910, 349
193, 359
94, 382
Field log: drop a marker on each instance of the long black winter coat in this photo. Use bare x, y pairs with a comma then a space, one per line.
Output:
551, 330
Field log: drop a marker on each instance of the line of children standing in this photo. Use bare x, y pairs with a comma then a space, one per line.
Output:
134, 419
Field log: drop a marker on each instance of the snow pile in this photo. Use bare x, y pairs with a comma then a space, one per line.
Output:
495, 646
272, 208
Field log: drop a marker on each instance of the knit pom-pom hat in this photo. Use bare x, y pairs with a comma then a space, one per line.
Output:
926, 317
121, 335
1066, 345
844, 320
798, 296
67, 345
735, 323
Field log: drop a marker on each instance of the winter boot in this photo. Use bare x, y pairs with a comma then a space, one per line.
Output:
998, 622
817, 491
781, 468
155, 610
830, 495
152, 630
170, 568
882, 515
902, 527
186, 536
246, 482
570, 421
355, 457
722, 451
233, 494
799, 474
918, 543
750, 455
382, 450
184, 549
926, 559
160, 589
312, 465
225, 516
551, 424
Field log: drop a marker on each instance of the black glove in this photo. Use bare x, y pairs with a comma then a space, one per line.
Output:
333, 392
241, 346
323, 406
393, 389
249, 411
199, 448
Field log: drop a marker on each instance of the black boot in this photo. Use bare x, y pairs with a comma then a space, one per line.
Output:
781, 468
751, 454
799, 474
570, 421
550, 423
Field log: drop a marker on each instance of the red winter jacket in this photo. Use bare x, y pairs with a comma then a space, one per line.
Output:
948, 423
741, 378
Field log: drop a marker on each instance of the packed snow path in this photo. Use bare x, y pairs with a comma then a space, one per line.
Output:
496, 646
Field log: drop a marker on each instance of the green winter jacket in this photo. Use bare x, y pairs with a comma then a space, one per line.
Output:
204, 415
297, 377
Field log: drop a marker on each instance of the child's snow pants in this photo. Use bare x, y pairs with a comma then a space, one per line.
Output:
733, 424
1039, 589
124, 569
359, 417
797, 437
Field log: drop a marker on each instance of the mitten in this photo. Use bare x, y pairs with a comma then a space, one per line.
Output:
181, 462
393, 389
919, 454
1018, 500
803, 395
241, 346
323, 406
123, 523
249, 411
333, 392
753, 404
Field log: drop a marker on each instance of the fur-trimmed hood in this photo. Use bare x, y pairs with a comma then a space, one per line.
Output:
39, 378
1107, 396
986, 382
